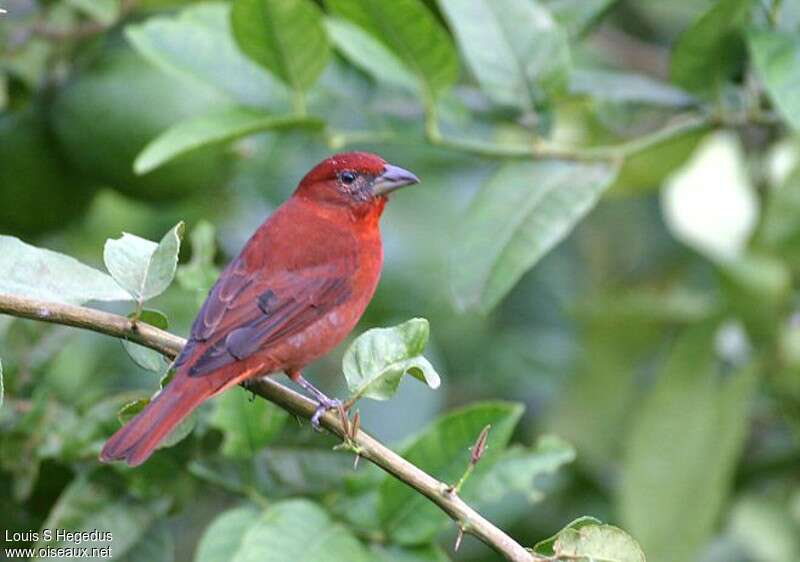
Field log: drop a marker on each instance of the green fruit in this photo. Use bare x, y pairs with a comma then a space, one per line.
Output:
107, 114
38, 190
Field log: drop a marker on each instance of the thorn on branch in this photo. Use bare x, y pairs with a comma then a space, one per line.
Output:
459, 538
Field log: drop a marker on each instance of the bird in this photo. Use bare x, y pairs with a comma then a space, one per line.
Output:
296, 290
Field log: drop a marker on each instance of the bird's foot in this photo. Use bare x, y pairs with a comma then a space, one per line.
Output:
324, 404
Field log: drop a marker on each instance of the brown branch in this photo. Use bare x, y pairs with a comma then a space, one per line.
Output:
467, 519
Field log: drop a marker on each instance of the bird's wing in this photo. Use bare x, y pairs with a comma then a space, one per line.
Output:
247, 311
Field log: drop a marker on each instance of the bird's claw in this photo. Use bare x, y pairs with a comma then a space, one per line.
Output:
324, 406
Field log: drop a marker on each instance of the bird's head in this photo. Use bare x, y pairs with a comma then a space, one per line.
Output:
357, 180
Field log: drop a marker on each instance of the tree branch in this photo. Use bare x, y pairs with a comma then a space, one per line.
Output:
370, 448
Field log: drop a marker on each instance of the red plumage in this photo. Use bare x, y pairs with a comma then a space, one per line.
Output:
296, 290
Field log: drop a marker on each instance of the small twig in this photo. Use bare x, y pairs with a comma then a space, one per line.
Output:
371, 449
475, 455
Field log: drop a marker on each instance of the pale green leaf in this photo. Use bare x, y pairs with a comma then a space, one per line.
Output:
443, 451
248, 425
225, 534
370, 54
577, 15
777, 59
200, 273
197, 43
683, 448
519, 215
376, 361
284, 36
710, 50
513, 47
141, 267
597, 543
627, 87
518, 468
147, 358
412, 33
219, 127
37, 273
546, 547
297, 531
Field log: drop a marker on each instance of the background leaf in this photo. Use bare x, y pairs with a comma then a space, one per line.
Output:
376, 361
247, 424
513, 47
707, 53
225, 535
34, 272
597, 542
143, 268
145, 357
409, 30
370, 54
216, 128
777, 59
692, 400
442, 450
516, 218
197, 43
284, 36
297, 530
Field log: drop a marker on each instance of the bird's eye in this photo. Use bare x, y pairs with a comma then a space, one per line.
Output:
347, 177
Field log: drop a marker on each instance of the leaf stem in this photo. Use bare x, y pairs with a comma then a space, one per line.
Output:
368, 447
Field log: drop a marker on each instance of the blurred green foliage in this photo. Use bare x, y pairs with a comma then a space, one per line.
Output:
605, 244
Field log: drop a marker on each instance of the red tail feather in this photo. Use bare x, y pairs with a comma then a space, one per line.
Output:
135, 442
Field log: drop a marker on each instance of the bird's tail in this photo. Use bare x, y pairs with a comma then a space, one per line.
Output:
137, 440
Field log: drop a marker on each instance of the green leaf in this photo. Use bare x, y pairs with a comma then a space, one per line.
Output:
198, 44
546, 547
284, 36
518, 468
219, 127
519, 215
200, 273
513, 47
592, 543
294, 530
647, 169
443, 451
711, 49
777, 58
145, 357
376, 361
577, 15
627, 87
369, 54
247, 424
683, 449
141, 267
87, 505
2, 388
37, 273
225, 534
412, 33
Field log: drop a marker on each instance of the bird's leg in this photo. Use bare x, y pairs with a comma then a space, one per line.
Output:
324, 403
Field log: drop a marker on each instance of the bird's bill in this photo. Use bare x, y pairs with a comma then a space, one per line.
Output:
392, 178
